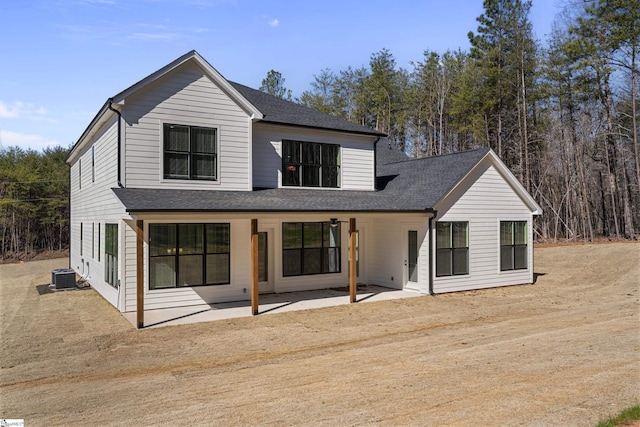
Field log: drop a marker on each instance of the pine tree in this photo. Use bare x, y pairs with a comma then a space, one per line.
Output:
273, 84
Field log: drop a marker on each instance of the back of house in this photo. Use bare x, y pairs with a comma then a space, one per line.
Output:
185, 181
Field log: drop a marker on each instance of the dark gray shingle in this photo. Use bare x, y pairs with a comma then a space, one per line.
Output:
278, 110
412, 185
426, 180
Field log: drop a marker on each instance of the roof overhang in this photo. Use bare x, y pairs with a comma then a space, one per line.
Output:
373, 133
103, 116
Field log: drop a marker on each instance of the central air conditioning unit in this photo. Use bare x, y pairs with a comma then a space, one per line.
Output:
63, 278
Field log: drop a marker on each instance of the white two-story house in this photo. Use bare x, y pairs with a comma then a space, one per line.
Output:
187, 188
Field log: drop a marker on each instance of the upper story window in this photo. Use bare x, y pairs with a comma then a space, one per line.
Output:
310, 164
190, 152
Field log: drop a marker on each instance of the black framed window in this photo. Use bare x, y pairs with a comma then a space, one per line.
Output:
452, 248
189, 255
513, 245
310, 164
190, 152
111, 254
93, 240
310, 248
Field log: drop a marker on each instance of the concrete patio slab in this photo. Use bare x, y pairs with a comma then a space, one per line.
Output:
269, 303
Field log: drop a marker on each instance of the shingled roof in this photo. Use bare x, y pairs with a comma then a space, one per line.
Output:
410, 185
426, 180
281, 111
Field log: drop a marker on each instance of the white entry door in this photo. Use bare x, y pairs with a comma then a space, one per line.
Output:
411, 259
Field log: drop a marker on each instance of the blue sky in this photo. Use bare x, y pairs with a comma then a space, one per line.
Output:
63, 58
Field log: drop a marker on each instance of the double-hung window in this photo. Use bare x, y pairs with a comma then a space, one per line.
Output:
310, 164
310, 248
188, 255
452, 248
190, 152
513, 245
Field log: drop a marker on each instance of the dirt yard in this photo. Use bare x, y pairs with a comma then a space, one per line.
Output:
565, 351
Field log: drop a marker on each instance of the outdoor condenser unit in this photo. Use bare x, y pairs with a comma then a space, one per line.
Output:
63, 278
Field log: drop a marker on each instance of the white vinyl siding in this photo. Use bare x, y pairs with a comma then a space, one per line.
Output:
95, 203
186, 97
387, 250
356, 155
484, 204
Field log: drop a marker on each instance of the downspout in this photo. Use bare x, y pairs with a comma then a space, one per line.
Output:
431, 218
119, 178
70, 224
119, 140
375, 162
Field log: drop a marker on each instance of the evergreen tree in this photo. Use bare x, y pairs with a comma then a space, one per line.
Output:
322, 96
273, 84
505, 54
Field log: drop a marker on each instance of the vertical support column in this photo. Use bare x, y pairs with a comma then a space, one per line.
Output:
140, 273
352, 260
254, 266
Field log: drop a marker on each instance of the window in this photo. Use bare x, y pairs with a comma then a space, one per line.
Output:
513, 245
188, 255
190, 152
412, 260
452, 248
111, 254
80, 173
81, 237
98, 242
310, 164
310, 248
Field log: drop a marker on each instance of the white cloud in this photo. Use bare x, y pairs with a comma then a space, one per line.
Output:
274, 22
7, 111
24, 110
25, 141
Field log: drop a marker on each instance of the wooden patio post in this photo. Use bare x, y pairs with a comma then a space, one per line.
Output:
254, 266
140, 273
352, 259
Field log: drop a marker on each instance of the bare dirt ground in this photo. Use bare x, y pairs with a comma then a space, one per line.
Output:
565, 351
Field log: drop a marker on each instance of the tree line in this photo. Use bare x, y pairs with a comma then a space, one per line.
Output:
563, 118
34, 201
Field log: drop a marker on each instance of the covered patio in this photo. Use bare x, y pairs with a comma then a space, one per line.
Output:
269, 303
